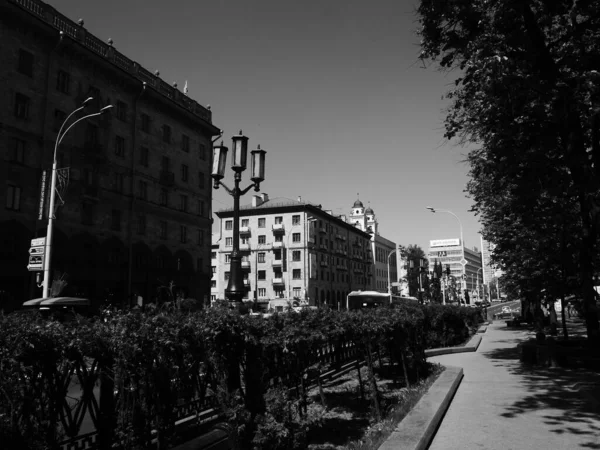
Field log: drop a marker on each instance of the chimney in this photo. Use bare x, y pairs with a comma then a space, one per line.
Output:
265, 197
256, 200
299, 199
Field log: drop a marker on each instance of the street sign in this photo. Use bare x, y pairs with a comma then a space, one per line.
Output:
37, 250
38, 242
36, 263
464, 262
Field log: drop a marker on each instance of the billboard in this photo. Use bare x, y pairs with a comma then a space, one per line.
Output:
445, 243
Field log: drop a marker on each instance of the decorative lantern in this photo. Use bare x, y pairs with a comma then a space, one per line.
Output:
240, 152
219, 161
258, 165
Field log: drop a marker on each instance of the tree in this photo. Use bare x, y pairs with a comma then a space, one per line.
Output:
528, 98
414, 255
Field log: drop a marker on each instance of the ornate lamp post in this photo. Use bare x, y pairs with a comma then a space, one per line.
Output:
235, 287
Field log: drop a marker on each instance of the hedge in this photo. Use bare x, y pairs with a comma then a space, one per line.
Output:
256, 371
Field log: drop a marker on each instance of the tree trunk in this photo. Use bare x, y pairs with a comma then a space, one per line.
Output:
360, 381
564, 321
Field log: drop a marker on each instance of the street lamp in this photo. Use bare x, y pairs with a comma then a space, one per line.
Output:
235, 287
478, 295
50, 228
388, 268
462, 242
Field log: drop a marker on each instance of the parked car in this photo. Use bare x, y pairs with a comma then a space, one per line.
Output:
63, 309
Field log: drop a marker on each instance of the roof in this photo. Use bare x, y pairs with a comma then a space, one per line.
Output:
277, 202
369, 211
358, 204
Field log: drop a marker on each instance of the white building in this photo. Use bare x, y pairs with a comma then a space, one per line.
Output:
450, 252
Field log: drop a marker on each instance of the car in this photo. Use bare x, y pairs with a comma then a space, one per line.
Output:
63, 309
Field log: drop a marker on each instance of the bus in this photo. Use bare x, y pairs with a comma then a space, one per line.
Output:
372, 299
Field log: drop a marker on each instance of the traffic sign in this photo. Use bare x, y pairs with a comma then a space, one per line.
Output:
36, 263
464, 262
37, 250
38, 242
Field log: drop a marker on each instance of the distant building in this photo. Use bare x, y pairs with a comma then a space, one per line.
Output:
136, 211
293, 249
381, 247
448, 252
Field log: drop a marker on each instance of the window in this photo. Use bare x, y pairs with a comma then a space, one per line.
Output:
183, 234
165, 163
261, 222
119, 182
184, 172
142, 190
25, 63
201, 208
164, 197
88, 177
145, 123
278, 219
13, 198
166, 134
202, 152
228, 242
120, 146
200, 237
121, 111
17, 151
227, 258
200, 180
144, 156
296, 219
245, 222
244, 241
229, 224
91, 134
297, 292
213, 283
214, 269
296, 255
262, 292
279, 238
21, 106
160, 261
262, 274
262, 239
183, 203
277, 255
226, 276
59, 117
162, 230
213, 255
116, 219
185, 143
63, 82
94, 92
261, 257
296, 237
141, 224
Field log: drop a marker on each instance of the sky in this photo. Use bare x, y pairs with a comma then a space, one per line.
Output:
332, 90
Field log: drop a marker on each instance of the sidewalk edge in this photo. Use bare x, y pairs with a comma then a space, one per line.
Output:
418, 428
471, 346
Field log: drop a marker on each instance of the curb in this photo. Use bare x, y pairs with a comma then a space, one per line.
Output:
417, 429
471, 346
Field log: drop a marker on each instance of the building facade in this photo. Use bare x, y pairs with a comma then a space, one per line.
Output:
449, 252
381, 248
296, 250
133, 210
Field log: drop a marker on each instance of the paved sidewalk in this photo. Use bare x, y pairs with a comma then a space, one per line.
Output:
502, 404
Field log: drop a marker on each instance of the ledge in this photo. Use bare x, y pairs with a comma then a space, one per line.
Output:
418, 428
471, 346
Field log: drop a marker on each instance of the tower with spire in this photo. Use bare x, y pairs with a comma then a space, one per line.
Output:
364, 218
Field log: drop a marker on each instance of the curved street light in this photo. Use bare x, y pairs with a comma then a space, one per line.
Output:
50, 228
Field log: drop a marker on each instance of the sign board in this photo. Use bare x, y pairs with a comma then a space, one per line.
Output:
442, 254
445, 243
36, 263
37, 250
558, 307
38, 242
42, 197
464, 262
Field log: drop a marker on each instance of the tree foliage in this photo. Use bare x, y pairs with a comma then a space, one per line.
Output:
528, 98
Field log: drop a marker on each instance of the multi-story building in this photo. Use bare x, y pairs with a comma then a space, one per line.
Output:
294, 249
135, 194
486, 254
381, 248
449, 252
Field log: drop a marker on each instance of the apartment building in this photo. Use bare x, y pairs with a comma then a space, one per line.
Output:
135, 213
293, 249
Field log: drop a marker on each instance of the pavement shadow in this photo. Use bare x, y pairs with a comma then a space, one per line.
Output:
572, 392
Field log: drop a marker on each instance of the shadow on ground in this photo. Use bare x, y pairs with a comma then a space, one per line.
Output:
569, 394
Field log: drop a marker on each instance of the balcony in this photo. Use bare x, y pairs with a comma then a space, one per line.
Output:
277, 263
278, 281
323, 247
91, 192
322, 230
167, 178
358, 271
244, 246
338, 236
278, 228
341, 267
278, 244
246, 265
244, 231
324, 264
